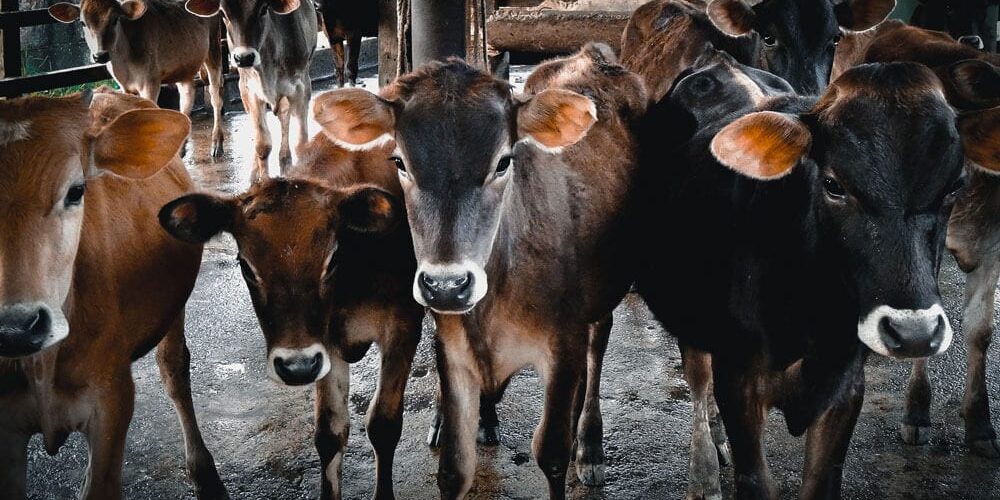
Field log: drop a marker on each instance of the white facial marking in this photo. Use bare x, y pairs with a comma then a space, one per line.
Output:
479, 283
531, 141
305, 352
755, 93
375, 143
868, 327
239, 52
14, 131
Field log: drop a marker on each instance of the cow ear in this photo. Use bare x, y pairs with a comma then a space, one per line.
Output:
555, 118
138, 143
763, 145
355, 119
369, 210
732, 17
133, 9
284, 6
980, 133
860, 15
975, 81
196, 218
203, 8
64, 12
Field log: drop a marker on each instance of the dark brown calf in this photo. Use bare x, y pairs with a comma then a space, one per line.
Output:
329, 265
147, 43
89, 282
347, 21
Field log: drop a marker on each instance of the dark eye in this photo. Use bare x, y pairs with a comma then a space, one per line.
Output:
957, 185
399, 163
833, 188
75, 195
331, 264
769, 40
836, 40
503, 166
248, 274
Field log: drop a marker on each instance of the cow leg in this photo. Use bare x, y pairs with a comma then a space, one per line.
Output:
703, 472
489, 421
300, 111
916, 426
553, 441
284, 113
262, 136
333, 423
718, 430
106, 433
353, 54
384, 421
215, 89
829, 438
186, 93
459, 419
13, 465
174, 360
337, 46
589, 423
977, 323
744, 415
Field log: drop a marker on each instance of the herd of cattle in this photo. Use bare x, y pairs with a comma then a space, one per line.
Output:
781, 226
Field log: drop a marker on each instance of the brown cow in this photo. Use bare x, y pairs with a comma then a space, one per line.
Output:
89, 284
146, 43
518, 210
326, 287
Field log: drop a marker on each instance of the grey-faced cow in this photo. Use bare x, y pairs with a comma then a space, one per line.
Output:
146, 43
272, 44
89, 282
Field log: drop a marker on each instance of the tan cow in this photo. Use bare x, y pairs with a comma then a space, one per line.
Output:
89, 282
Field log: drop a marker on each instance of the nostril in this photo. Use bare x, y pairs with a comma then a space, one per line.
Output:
428, 281
316, 361
462, 280
890, 335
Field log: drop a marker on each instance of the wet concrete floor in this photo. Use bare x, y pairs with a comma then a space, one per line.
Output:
261, 433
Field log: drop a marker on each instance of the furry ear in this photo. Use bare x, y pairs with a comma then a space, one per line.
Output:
196, 218
133, 9
64, 12
732, 17
763, 145
369, 210
555, 118
355, 119
980, 133
974, 82
138, 143
284, 6
203, 8
860, 15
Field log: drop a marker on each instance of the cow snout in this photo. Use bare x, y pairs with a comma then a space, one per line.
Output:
245, 58
906, 333
447, 291
102, 57
24, 329
299, 366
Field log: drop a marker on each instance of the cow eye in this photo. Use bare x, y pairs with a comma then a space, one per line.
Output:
503, 166
331, 263
833, 188
836, 40
770, 41
399, 163
248, 274
75, 195
957, 185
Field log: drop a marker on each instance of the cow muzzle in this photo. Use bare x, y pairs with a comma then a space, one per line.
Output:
450, 288
298, 366
906, 333
101, 57
26, 329
245, 57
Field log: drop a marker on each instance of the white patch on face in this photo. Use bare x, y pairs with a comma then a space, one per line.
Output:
14, 131
868, 327
239, 52
755, 93
306, 352
479, 281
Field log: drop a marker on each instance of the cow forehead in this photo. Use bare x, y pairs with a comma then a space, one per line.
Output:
263, 230
811, 19
97, 13
439, 136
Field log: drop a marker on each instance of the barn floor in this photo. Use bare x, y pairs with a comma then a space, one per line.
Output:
261, 433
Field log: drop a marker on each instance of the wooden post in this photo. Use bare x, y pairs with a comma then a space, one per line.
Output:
11, 42
388, 41
438, 29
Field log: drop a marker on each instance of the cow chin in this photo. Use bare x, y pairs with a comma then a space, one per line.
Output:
298, 366
906, 333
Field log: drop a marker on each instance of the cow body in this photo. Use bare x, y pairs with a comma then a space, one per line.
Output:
347, 21
272, 44
794, 274
127, 286
146, 43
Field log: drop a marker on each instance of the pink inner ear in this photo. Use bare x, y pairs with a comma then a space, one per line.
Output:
204, 8
285, 6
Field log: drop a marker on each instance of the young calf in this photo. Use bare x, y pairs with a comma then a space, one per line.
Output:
89, 282
272, 43
146, 43
517, 206
326, 286
819, 233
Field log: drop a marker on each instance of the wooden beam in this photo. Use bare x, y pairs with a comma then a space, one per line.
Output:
388, 45
13, 87
11, 42
553, 31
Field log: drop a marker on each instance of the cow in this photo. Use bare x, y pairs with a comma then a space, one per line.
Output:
347, 21
146, 43
89, 282
819, 234
272, 44
793, 39
518, 209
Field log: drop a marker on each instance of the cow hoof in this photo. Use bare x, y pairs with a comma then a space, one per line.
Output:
184, 149
725, 454
218, 150
914, 434
488, 435
591, 474
208, 486
434, 433
701, 495
989, 448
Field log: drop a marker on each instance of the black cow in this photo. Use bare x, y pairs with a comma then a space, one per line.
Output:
347, 21
819, 234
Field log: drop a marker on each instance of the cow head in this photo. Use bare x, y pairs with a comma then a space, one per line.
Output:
882, 156
291, 270
458, 132
796, 39
247, 23
50, 149
100, 19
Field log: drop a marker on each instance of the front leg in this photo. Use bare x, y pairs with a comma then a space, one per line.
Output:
590, 423
553, 441
13, 464
284, 115
106, 434
977, 323
333, 422
460, 386
829, 438
256, 109
703, 471
744, 414
353, 55
916, 426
